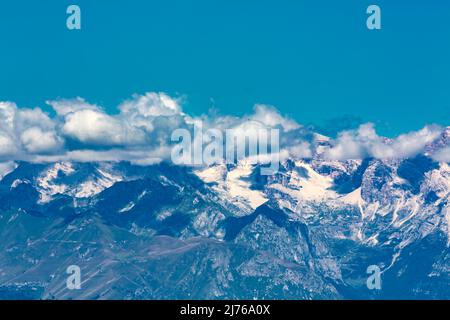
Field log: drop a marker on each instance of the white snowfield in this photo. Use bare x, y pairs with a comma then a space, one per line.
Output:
54, 181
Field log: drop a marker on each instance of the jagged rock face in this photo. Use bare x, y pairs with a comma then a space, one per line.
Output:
442, 142
308, 232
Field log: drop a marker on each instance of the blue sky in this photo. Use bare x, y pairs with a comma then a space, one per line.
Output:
313, 60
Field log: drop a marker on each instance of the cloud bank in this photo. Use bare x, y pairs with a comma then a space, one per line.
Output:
365, 142
141, 129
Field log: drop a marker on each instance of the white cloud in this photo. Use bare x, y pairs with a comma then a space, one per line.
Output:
24, 131
346, 147
364, 141
65, 106
7, 146
143, 111
412, 143
138, 156
98, 128
141, 132
443, 155
26, 118
271, 117
301, 150
151, 105
35, 140
7, 114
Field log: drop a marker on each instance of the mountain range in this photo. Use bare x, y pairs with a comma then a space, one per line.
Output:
162, 231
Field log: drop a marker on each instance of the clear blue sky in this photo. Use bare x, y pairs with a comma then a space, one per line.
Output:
314, 60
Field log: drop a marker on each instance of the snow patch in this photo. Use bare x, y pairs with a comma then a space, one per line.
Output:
47, 188
18, 182
127, 208
447, 219
6, 168
353, 198
237, 187
232, 184
313, 188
